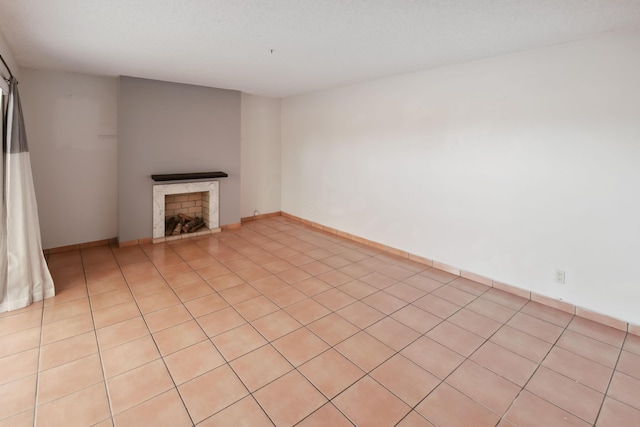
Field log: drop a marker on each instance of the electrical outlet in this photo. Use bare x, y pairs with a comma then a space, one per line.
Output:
560, 276
255, 213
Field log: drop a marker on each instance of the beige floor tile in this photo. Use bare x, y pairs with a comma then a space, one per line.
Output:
405, 379
360, 314
312, 286
521, 343
357, 289
178, 337
454, 295
573, 397
629, 363
23, 419
365, 351
286, 296
165, 409
255, 308
17, 396
548, 314
306, 311
244, 413
239, 293
436, 306
300, 346
66, 328
19, 341
334, 299
327, 415
625, 389
432, 356
475, 323
597, 331
417, 319
422, 282
590, 348
220, 321
127, 356
167, 317
67, 350
579, 369
393, 333
616, 413
211, 392
238, 342
368, 403
289, 399
528, 410
509, 365
115, 314
331, 372
333, 329
66, 310
405, 292
18, 365
193, 361
119, 333
138, 385
84, 407
414, 419
149, 288
110, 298
191, 292
484, 386
447, 406
260, 367
158, 301
455, 338
205, 305
293, 275
69, 378
276, 325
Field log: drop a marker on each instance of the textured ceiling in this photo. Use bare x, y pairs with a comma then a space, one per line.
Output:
316, 44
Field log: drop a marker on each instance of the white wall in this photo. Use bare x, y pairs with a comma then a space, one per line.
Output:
9, 59
71, 127
260, 155
508, 167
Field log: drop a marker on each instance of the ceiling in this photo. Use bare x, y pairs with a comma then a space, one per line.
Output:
287, 47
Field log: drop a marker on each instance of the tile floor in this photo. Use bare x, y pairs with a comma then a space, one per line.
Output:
279, 324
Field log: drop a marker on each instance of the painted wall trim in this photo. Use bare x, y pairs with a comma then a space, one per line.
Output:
260, 216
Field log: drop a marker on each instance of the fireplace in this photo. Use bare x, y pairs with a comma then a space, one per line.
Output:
171, 199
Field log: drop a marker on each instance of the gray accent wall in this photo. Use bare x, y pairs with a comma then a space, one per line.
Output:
173, 128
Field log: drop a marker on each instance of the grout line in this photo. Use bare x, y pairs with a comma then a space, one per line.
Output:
95, 337
613, 373
35, 397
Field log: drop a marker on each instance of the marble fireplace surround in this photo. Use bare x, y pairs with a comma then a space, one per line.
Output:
161, 190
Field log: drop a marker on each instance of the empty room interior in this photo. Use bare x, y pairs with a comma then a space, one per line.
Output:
320, 213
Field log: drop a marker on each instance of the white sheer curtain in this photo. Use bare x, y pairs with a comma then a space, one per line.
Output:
24, 275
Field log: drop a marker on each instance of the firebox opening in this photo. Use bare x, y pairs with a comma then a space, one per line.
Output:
186, 213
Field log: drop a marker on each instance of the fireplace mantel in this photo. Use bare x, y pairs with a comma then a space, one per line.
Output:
188, 176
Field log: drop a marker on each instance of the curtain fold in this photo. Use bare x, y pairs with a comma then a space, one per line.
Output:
24, 275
